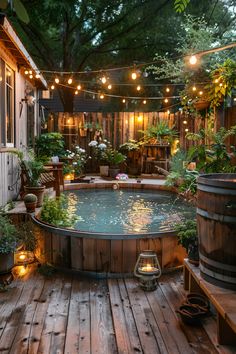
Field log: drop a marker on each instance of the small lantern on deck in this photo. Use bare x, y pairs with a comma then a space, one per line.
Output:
23, 257
148, 270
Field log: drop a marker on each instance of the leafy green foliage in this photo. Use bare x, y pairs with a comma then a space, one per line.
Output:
186, 232
27, 236
212, 157
50, 144
56, 212
115, 158
8, 236
130, 145
21, 11
159, 131
180, 5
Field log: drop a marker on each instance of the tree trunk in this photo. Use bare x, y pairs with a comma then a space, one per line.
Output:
67, 98
162, 171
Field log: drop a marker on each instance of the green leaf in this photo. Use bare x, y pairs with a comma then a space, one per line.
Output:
3, 4
180, 5
21, 11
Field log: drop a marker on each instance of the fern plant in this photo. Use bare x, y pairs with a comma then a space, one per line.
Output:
180, 5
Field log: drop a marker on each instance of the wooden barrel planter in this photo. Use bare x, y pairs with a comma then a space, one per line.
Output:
216, 221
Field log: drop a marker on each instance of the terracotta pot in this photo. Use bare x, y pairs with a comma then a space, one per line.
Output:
104, 171
38, 191
201, 104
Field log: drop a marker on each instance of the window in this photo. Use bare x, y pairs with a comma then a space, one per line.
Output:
9, 107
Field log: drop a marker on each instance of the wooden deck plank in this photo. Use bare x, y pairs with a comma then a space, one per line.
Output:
149, 334
130, 322
78, 327
14, 314
125, 328
197, 337
174, 338
102, 331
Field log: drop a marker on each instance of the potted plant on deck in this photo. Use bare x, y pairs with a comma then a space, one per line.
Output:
8, 244
115, 159
187, 237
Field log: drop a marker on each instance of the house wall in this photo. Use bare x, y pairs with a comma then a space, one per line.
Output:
9, 167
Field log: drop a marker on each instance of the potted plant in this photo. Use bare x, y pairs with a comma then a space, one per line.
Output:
114, 158
100, 150
131, 149
30, 201
159, 133
31, 170
187, 237
8, 244
49, 145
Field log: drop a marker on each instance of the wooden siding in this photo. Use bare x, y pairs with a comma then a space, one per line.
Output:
9, 177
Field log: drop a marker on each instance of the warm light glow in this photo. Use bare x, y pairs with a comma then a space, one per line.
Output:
69, 177
140, 118
109, 87
37, 76
194, 88
138, 88
31, 76
57, 80
76, 92
52, 87
166, 100
102, 96
193, 60
234, 99
104, 79
22, 270
26, 72
123, 100
126, 121
134, 75
79, 87
200, 93
186, 130
68, 121
167, 89
185, 122
216, 81
148, 268
168, 111
22, 257
221, 84
144, 101
70, 81
30, 72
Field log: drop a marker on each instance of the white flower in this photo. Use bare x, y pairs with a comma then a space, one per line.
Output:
93, 143
102, 146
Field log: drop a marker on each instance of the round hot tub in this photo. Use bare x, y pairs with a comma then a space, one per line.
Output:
115, 226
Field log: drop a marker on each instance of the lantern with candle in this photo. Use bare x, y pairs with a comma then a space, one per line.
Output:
148, 270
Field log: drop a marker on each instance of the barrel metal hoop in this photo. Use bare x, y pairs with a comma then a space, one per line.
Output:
218, 276
217, 217
209, 189
216, 264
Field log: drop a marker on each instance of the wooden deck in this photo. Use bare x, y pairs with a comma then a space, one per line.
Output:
68, 314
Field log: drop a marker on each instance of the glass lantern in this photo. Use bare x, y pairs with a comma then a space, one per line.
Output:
148, 270
23, 257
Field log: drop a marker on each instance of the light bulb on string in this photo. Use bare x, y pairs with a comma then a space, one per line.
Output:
76, 92
168, 112
134, 75
31, 76
167, 89
185, 122
221, 84
194, 88
193, 60
138, 88
200, 93
166, 100
52, 87
70, 81
57, 80
26, 72
101, 96
216, 81
37, 76
79, 87
30, 72
186, 130
109, 87
123, 101
103, 79
144, 101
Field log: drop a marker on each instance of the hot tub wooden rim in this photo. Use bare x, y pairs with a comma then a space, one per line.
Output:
97, 235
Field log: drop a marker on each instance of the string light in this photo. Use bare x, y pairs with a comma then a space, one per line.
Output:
193, 60
166, 100
221, 84
79, 87
167, 89
186, 130
168, 111
31, 76
194, 88
30, 72
138, 88
200, 93
70, 81
37, 76
216, 81
144, 101
123, 101
185, 122
57, 80
104, 79
26, 72
101, 96
109, 87
134, 75
52, 87
76, 92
